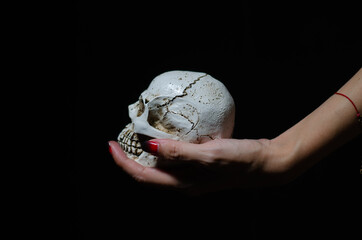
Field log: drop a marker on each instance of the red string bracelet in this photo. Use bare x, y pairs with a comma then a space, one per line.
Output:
358, 114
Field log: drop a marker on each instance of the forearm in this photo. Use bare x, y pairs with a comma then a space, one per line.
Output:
321, 132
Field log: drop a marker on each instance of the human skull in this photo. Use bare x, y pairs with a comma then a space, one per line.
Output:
181, 105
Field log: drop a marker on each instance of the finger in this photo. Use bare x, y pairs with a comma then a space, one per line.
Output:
178, 150
139, 172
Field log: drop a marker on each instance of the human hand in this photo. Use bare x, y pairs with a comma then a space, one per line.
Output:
198, 168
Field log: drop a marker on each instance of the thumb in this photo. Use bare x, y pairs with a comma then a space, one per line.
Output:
175, 150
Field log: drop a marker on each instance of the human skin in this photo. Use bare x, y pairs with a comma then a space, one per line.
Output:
231, 163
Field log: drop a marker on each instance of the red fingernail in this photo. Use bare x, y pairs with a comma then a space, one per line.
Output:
109, 148
150, 147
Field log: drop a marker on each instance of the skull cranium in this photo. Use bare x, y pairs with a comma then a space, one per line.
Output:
181, 105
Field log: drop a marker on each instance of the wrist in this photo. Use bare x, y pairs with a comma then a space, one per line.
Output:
278, 157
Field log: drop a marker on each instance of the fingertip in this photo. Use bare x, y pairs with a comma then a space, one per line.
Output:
109, 147
117, 153
150, 147
112, 145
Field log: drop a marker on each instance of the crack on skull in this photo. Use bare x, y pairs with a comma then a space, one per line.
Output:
209, 136
186, 117
199, 137
184, 93
154, 121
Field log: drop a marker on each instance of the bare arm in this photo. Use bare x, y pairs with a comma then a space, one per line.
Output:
324, 130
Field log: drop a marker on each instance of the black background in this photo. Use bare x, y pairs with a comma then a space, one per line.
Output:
279, 61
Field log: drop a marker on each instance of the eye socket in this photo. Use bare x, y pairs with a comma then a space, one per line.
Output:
172, 116
159, 118
141, 107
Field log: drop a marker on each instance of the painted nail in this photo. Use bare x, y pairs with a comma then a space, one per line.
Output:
150, 147
109, 148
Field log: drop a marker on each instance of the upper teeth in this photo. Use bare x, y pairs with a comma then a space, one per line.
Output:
129, 141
